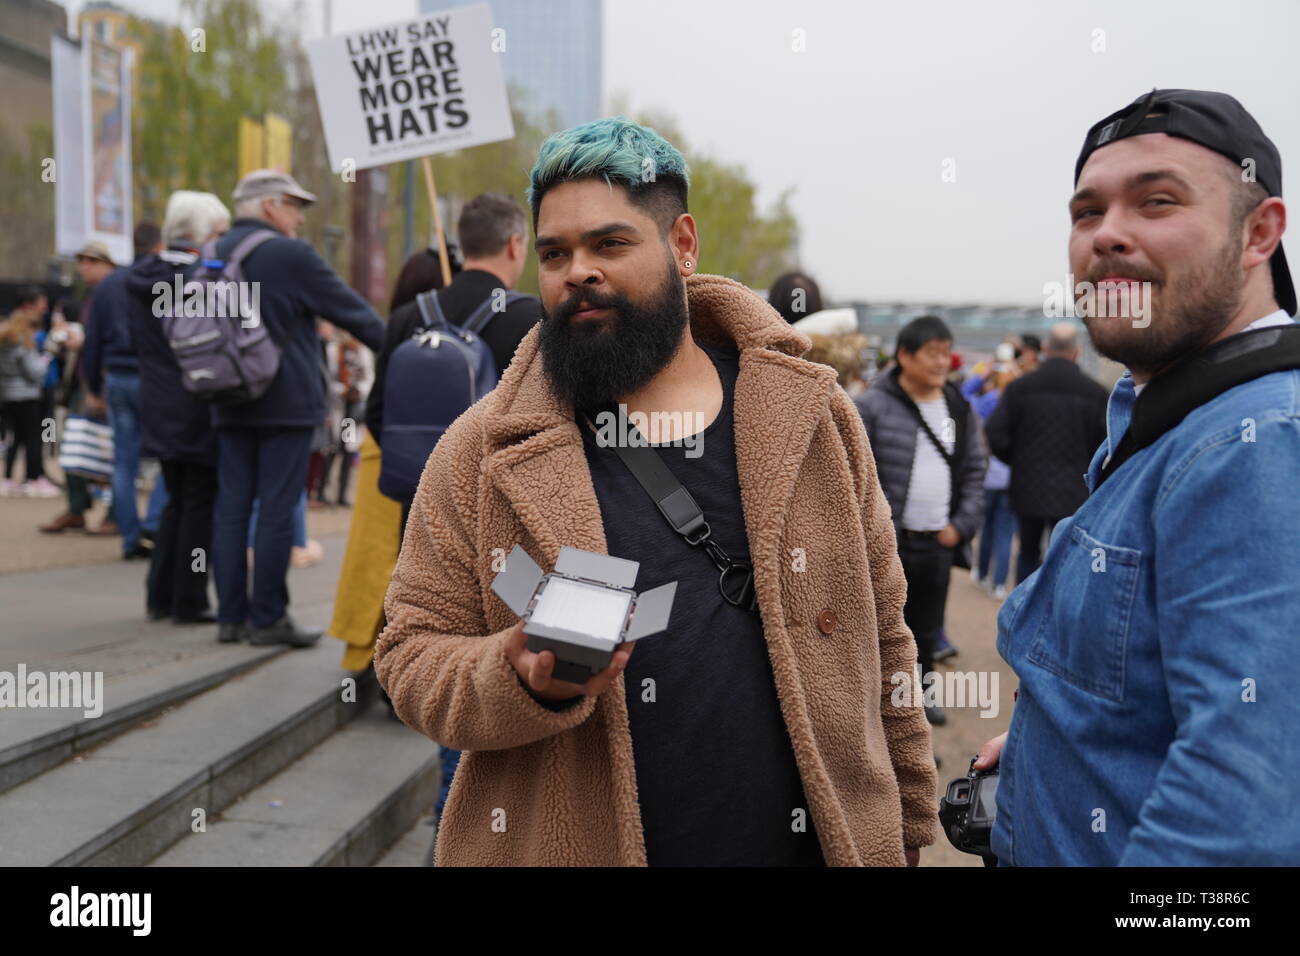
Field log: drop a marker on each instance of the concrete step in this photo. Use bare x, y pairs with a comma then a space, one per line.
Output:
344, 803
413, 848
91, 620
170, 666
124, 802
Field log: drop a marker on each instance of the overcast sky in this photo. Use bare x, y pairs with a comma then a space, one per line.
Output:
861, 123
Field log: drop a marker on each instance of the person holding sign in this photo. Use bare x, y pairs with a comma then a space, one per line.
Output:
758, 728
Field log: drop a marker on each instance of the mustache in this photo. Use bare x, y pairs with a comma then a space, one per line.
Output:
1120, 267
564, 311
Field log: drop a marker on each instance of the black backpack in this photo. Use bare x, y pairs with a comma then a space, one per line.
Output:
433, 377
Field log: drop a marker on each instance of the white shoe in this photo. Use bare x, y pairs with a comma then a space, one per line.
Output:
9, 488
1000, 592
41, 488
975, 576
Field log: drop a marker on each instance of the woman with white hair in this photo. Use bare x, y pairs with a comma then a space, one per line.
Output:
175, 426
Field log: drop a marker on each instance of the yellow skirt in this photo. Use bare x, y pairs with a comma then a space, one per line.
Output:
373, 544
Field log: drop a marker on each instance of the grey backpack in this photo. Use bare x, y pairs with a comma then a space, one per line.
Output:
215, 328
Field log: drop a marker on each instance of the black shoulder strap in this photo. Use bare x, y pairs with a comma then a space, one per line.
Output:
1173, 394
912, 407
954, 458
485, 312
686, 517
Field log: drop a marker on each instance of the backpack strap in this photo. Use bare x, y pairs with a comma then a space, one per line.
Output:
210, 260
208, 256
484, 314
1175, 393
247, 245
431, 314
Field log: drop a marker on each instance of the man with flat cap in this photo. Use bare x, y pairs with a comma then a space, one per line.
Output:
1156, 646
263, 446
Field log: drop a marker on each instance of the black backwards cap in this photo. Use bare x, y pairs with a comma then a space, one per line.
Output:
1215, 121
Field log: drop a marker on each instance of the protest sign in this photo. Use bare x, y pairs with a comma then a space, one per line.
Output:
411, 89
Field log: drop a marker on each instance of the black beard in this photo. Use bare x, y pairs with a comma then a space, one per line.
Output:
1185, 320
591, 363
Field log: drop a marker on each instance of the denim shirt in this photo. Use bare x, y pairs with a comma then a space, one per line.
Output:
1158, 651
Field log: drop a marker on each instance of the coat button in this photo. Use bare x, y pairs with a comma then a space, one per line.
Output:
826, 621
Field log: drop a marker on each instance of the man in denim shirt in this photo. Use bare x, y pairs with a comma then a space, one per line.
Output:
1158, 716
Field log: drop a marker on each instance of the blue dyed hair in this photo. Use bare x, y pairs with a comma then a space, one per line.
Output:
622, 153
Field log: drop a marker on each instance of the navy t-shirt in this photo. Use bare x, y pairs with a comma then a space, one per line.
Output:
715, 770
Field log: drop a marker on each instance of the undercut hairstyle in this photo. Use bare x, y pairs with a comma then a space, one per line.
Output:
621, 153
486, 224
782, 296
919, 332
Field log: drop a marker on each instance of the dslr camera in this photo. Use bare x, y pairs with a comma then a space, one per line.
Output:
967, 811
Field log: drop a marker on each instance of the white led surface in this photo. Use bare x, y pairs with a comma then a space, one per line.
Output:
581, 607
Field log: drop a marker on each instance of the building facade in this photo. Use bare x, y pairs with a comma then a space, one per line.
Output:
554, 57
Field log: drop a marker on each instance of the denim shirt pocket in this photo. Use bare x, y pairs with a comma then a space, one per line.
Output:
1083, 635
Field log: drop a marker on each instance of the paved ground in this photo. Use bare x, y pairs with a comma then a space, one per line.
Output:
972, 627
26, 549
83, 580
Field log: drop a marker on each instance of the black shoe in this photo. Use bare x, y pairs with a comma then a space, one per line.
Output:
138, 552
199, 617
231, 633
936, 716
158, 614
285, 631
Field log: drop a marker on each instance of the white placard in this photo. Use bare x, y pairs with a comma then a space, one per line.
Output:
410, 89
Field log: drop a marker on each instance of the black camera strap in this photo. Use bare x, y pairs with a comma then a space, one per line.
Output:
675, 503
1192, 382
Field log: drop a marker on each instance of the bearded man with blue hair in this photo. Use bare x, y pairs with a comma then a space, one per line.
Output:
765, 724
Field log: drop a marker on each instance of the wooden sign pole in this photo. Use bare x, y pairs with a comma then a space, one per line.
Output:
437, 220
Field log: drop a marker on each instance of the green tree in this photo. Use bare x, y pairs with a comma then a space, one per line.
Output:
737, 239
190, 100
27, 239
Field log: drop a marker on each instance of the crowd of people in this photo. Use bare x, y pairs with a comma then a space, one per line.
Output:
945, 436
840, 487
235, 482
